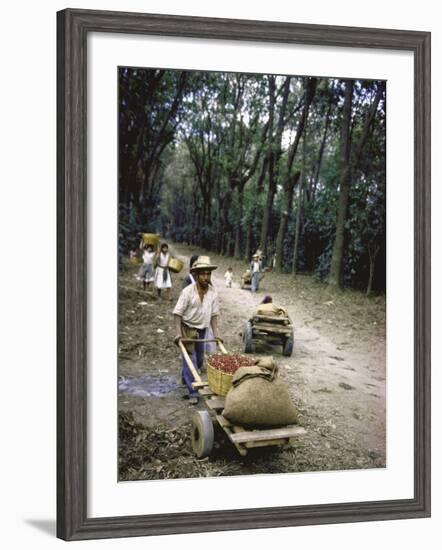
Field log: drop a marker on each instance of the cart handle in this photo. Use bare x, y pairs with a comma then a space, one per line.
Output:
217, 340
198, 340
188, 360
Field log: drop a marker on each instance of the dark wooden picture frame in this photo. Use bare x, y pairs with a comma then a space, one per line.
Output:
73, 27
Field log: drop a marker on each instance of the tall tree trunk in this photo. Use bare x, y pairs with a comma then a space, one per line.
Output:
237, 251
372, 253
247, 250
162, 138
287, 206
271, 191
218, 217
226, 226
262, 175
228, 245
315, 179
297, 228
310, 89
274, 155
197, 231
348, 164
133, 155
220, 237
270, 163
300, 204
335, 276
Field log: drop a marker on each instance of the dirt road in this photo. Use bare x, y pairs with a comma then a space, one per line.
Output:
336, 374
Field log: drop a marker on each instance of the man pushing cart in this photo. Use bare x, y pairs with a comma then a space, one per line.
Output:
196, 310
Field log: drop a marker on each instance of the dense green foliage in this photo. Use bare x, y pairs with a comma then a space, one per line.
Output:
232, 162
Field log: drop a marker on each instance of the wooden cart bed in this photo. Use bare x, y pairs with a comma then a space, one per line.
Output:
243, 438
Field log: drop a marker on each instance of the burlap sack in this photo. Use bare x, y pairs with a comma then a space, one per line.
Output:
258, 397
271, 309
266, 362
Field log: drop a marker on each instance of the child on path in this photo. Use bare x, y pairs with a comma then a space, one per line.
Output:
146, 271
228, 276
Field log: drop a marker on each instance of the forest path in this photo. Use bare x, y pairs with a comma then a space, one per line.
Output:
335, 370
336, 374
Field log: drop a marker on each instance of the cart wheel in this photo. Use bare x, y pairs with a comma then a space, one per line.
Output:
202, 434
248, 337
287, 346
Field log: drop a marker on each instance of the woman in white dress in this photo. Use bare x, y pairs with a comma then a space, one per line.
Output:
162, 280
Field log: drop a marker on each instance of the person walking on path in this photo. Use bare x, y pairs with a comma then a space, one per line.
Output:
162, 280
209, 347
228, 276
146, 271
197, 309
255, 270
190, 279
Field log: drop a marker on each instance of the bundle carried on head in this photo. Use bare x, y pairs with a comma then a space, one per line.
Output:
258, 397
221, 368
151, 239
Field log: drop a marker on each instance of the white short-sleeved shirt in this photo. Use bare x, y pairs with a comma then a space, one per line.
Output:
197, 314
148, 257
255, 267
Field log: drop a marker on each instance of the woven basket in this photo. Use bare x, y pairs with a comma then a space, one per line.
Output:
219, 382
151, 238
175, 265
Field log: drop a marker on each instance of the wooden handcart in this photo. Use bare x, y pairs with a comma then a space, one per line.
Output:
272, 328
203, 433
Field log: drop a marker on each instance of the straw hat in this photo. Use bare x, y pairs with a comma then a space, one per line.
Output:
203, 263
255, 256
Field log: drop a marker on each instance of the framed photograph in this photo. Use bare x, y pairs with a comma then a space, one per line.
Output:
243, 274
